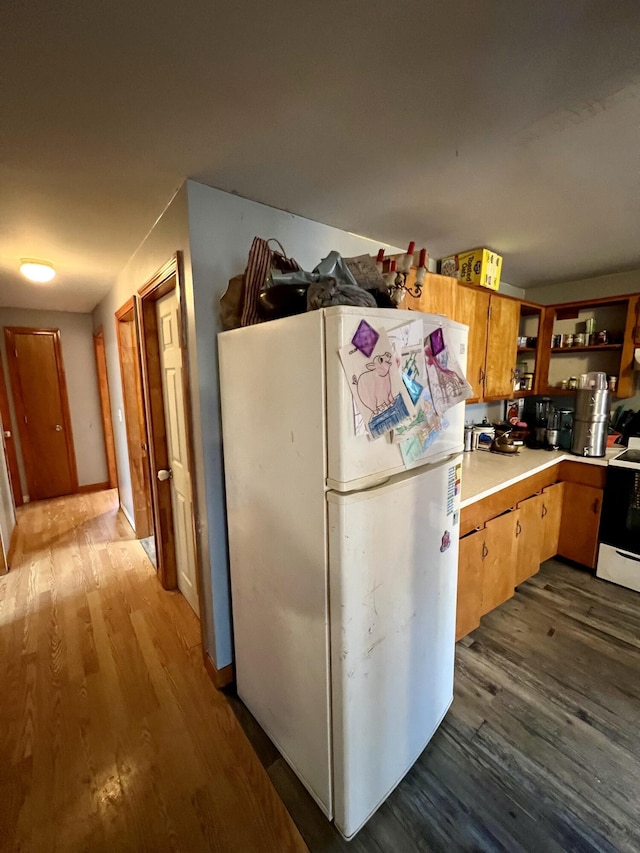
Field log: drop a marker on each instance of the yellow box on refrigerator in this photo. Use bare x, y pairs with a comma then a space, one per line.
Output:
479, 266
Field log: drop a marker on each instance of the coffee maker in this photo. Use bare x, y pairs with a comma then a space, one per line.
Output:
552, 433
536, 415
566, 428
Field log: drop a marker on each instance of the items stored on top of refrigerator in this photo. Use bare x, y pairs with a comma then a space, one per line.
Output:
477, 266
343, 547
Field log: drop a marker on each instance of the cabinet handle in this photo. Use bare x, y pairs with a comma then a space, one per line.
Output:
544, 510
518, 529
485, 550
595, 506
481, 375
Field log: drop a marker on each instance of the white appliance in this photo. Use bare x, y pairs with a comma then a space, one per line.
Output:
619, 554
343, 563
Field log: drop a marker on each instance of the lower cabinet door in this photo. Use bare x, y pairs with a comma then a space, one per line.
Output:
469, 583
552, 502
529, 536
580, 523
498, 560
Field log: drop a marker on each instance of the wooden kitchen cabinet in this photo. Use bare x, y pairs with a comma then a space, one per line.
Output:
502, 344
469, 583
439, 294
529, 536
498, 560
581, 510
552, 503
618, 315
472, 308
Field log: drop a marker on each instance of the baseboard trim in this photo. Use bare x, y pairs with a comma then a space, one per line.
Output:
127, 516
13, 543
93, 487
220, 677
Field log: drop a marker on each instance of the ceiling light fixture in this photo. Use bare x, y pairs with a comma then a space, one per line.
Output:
39, 271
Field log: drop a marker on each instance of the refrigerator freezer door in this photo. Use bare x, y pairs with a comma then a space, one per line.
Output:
353, 461
393, 554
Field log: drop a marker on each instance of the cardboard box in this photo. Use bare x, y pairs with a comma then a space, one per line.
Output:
479, 266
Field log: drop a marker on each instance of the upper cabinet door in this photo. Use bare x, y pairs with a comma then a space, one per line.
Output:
504, 319
439, 295
473, 309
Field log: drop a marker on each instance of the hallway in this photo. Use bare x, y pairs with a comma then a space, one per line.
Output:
113, 736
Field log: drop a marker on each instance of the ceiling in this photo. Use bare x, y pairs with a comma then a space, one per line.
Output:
504, 123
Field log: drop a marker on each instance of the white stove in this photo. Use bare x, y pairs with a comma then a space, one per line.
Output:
619, 555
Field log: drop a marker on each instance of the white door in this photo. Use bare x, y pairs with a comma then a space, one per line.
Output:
354, 462
171, 370
393, 556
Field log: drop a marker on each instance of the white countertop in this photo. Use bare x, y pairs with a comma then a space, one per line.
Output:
484, 473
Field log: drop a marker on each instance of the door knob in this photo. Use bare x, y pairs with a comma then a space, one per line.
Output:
58, 427
7, 433
164, 474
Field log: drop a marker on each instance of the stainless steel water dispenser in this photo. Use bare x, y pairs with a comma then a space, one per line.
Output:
591, 419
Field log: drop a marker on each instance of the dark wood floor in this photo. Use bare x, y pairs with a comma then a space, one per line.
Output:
541, 748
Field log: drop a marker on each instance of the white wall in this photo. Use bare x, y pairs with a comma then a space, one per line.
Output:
586, 288
7, 509
511, 290
168, 235
222, 227
76, 338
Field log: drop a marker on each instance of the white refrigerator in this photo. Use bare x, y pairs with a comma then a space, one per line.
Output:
343, 563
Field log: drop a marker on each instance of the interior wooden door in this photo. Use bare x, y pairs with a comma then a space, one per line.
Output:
469, 599
11, 453
134, 420
529, 535
498, 564
502, 344
472, 308
42, 411
177, 445
105, 407
552, 500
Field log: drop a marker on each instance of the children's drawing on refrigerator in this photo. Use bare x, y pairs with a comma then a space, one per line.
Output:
446, 379
414, 375
376, 382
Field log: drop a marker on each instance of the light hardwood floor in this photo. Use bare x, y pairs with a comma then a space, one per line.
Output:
112, 737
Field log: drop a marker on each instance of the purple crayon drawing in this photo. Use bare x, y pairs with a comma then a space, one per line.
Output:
365, 338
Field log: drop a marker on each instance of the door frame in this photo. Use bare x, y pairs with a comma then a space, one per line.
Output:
127, 313
169, 277
10, 333
9, 441
105, 406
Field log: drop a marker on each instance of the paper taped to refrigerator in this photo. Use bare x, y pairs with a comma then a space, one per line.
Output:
446, 379
377, 387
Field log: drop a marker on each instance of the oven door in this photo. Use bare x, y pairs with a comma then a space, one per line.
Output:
620, 520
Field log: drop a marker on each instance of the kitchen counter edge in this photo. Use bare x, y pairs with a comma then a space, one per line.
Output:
485, 473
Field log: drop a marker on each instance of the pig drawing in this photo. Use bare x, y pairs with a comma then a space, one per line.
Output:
374, 385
